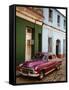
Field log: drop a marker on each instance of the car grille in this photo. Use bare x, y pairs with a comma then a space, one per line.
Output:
27, 70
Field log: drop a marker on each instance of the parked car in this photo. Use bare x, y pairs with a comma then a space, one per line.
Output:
39, 66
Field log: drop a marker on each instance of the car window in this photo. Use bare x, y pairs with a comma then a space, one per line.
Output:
39, 56
45, 58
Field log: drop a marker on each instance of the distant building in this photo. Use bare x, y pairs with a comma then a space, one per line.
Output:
54, 32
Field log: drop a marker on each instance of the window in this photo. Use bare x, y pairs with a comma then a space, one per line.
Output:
50, 15
64, 24
58, 20
49, 44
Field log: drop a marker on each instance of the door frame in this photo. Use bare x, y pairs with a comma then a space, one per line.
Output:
33, 46
58, 44
41, 42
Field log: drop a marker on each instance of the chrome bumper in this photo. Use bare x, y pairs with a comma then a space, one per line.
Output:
29, 74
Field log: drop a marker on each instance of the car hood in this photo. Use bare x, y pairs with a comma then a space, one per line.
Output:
32, 63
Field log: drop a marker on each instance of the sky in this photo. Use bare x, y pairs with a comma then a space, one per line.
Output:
63, 11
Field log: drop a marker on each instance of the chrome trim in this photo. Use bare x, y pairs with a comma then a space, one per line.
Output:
49, 71
29, 74
27, 68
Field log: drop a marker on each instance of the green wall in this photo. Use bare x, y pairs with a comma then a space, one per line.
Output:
21, 25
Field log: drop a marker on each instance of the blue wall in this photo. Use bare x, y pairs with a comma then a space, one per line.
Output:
54, 23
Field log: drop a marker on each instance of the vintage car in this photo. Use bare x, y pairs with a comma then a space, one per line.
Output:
39, 66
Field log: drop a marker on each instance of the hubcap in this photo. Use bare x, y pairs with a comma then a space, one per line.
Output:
41, 75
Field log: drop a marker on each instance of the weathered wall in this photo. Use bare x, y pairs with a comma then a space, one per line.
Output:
21, 25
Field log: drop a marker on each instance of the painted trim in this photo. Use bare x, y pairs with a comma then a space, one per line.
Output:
41, 15
23, 14
52, 28
49, 71
29, 12
28, 18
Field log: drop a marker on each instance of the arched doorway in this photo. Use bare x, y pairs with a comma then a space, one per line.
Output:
58, 47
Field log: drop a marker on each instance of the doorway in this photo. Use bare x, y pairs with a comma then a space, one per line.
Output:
50, 45
39, 42
58, 48
28, 47
64, 47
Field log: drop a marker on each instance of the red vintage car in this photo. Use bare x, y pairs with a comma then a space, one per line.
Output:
39, 66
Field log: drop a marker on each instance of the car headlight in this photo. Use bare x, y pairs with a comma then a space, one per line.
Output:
36, 68
35, 72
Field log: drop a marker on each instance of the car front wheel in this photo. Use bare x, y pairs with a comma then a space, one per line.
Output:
41, 76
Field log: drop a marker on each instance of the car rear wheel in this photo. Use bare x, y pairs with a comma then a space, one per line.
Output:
58, 67
41, 76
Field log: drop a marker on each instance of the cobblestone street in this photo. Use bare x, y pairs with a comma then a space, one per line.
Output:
57, 75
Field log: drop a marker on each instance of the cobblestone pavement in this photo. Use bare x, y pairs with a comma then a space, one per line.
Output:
57, 75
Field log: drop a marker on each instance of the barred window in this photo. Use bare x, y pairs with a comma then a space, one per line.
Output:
58, 20
50, 15
64, 24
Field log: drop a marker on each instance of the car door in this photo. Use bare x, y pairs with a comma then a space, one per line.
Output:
49, 66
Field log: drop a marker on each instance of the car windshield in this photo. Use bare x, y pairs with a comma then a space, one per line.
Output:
38, 56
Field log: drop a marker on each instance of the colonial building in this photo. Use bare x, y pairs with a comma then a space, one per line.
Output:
39, 30
54, 32
28, 32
